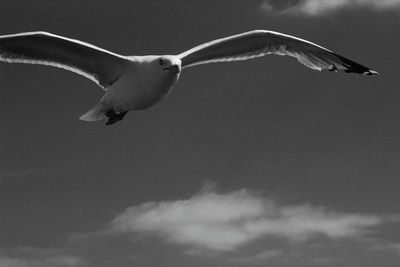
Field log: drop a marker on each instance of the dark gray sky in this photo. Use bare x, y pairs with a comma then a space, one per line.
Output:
256, 163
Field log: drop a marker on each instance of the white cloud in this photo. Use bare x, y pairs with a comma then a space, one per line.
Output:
260, 257
15, 173
318, 7
223, 222
34, 257
13, 262
387, 246
65, 260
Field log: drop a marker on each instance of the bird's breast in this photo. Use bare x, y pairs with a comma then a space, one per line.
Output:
134, 91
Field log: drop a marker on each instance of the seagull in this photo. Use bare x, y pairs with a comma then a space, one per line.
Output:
138, 82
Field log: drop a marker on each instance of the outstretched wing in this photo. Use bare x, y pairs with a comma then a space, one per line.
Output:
259, 43
99, 65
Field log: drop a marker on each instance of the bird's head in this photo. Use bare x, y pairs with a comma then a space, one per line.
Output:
169, 64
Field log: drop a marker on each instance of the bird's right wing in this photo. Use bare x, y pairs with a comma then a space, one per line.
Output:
99, 65
259, 43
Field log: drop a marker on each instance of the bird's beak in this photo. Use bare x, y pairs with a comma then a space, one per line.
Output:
174, 69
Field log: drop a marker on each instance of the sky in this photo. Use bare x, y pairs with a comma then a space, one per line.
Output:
254, 163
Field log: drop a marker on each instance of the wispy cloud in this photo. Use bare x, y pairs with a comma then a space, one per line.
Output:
223, 222
260, 257
298, 257
385, 245
15, 173
319, 7
39, 257
13, 262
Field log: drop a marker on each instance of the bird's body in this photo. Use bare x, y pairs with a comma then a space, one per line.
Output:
138, 82
141, 85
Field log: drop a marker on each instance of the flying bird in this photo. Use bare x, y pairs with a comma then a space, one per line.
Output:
138, 82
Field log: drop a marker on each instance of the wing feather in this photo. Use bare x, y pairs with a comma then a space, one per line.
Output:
101, 66
259, 43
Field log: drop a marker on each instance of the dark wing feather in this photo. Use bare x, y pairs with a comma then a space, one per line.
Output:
260, 43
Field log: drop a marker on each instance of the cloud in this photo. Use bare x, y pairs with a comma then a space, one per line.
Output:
320, 7
13, 262
15, 173
35, 257
302, 256
223, 222
387, 246
260, 257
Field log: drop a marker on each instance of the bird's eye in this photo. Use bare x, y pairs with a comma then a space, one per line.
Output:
161, 61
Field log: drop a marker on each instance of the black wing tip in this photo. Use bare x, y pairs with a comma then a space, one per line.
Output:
354, 67
363, 71
371, 73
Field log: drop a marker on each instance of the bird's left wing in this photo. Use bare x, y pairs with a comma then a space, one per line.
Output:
97, 64
259, 43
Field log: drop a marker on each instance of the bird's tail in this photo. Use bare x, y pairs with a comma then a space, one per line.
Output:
96, 113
